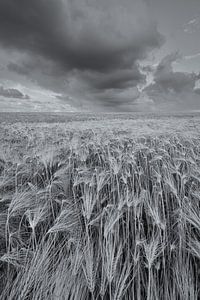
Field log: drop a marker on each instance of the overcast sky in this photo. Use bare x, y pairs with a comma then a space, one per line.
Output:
102, 55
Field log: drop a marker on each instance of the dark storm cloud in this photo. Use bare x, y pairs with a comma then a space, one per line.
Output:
197, 91
29, 25
170, 80
12, 93
75, 39
101, 40
171, 86
19, 69
118, 79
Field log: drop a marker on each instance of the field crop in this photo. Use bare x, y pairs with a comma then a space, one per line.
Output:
105, 210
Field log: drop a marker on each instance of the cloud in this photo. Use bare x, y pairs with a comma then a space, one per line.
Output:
12, 93
170, 80
197, 91
19, 69
188, 57
170, 87
79, 34
93, 45
192, 26
118, 79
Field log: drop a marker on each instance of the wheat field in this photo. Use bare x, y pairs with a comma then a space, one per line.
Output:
106, 209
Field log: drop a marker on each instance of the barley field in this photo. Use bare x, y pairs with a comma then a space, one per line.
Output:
100, 207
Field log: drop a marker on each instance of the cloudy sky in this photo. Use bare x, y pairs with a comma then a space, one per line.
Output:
102, 55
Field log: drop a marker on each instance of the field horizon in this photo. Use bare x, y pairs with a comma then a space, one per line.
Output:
62, 117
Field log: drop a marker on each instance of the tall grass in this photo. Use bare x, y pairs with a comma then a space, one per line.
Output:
110, 219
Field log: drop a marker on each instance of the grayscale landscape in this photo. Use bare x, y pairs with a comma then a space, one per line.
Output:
99, 150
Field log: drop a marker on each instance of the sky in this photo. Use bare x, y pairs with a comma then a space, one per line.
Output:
99, 55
